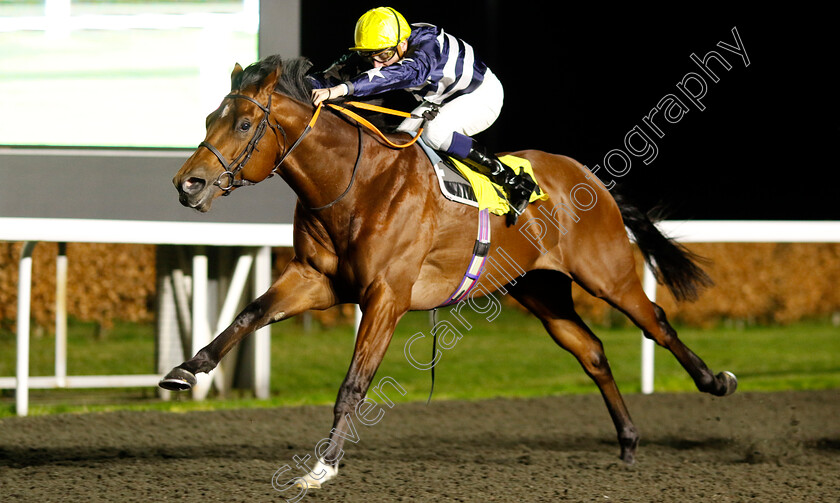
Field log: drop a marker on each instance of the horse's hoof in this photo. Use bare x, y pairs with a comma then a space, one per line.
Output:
629, 442
304, 484
178, 379
320, 473
730, 382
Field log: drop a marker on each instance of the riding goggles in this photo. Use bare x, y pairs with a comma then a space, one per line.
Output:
381, 56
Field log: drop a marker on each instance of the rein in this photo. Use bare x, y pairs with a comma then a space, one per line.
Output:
361, 120
376, 108
227, 180
352, 177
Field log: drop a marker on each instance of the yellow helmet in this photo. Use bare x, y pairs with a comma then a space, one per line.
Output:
380, 28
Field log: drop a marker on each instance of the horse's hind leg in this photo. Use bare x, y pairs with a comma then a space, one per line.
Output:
539, 292
654, 324
623, 290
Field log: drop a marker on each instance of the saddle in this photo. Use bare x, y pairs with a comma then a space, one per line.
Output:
459, 183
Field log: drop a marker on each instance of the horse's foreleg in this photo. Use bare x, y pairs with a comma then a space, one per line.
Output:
382, 309
298, 289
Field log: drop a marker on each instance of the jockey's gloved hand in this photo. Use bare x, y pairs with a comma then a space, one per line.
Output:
330, 93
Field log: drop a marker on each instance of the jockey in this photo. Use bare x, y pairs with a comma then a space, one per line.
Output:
455, 87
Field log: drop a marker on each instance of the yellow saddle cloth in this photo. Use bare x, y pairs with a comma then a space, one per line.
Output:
491, 195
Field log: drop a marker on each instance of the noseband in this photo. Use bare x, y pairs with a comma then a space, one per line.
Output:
227, 181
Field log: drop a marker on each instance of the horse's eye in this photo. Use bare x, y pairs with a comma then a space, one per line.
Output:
245, 126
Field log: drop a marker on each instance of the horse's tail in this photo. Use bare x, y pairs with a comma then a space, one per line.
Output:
673, 265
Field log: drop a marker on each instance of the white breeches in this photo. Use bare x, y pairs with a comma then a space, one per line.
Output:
467, 114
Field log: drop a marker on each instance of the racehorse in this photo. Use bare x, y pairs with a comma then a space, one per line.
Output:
371, 227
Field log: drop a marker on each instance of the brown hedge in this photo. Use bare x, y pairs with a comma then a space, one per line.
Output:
105, 282
775, 283
757, 283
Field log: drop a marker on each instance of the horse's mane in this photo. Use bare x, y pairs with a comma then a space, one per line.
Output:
292, 81
294, 84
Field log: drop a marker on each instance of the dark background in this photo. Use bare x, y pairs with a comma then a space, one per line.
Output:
578, 79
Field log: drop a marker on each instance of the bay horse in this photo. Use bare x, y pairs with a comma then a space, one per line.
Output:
371, 227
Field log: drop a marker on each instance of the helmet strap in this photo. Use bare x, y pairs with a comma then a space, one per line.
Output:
397, 19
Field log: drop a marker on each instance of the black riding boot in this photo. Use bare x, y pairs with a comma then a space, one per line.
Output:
517, 187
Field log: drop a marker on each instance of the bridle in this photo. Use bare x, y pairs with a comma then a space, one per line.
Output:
227, 180
232, 168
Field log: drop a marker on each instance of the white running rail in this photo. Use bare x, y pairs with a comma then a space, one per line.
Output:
264, 236
731, 231
63, 230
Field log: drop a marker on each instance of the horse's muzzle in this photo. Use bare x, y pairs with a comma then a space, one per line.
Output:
193, 192
193, 186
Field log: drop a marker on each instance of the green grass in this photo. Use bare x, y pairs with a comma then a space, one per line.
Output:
126, 349
509, 357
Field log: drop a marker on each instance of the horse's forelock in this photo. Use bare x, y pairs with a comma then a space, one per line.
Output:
292, 81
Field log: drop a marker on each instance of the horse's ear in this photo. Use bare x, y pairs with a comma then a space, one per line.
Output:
270, 81
237, 69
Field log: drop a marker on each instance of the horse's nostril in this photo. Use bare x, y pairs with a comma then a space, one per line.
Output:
193, 185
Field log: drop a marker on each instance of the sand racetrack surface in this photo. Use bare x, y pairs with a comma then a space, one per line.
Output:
768, 447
